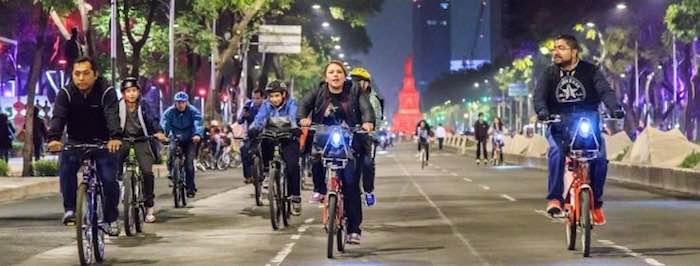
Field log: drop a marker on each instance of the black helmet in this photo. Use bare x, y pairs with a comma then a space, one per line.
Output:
276, 86
130, 82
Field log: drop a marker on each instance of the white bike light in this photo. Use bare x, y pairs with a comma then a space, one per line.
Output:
336, 139
585, 128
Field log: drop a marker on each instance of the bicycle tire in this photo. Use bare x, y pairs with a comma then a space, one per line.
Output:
272, 196
257, 180
129, 216
98, 235
83, 228
570, 227
341, 236
586, 224
140, 209
176, 183
283, 198
330, 224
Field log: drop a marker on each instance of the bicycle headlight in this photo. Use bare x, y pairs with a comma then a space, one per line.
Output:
584, 128
336, 139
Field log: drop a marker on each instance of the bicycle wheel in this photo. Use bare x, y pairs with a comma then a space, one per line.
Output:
330, 224
83, 226
139, 207
98, 234
570, 226
272, 197
586, 224
129, 204
176, 183
283, 199
181, 187
257, 180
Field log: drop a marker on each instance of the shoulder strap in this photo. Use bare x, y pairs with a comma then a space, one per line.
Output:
67, 93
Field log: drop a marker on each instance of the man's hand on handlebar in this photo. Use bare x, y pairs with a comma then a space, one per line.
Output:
305, 122
114, 145
368, 127
55, 146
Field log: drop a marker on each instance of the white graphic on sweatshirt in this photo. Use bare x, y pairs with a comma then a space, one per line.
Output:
570, 90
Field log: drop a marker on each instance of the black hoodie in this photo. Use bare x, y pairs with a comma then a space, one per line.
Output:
95, 116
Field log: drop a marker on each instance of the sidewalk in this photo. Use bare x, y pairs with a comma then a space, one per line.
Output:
18, 188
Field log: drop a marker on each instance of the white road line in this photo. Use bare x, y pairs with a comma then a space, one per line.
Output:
454, 174
545, 214
505, 196
302, 228
295, 237
467, 179
308, 221
442, 215
629, 252
277, 260
485, 187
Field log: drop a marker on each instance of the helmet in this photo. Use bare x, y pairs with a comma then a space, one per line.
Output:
181, 97
360, 73
276, 86
130, 82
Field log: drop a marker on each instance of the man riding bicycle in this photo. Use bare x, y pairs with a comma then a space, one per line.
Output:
280, 104
137, 120
250, 110
367, 165
87, 109
183, 121
573, 88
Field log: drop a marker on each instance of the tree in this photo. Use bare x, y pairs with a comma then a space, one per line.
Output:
681, 20
304, 68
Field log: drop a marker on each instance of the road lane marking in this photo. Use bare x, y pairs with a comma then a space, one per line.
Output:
295, 237
454, 174
485, 187
442, 215
505, 196
629, 252
545, 214
467, 179
308, 221
277, 260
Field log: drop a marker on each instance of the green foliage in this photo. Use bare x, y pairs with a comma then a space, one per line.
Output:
4, 168
45, 168
305, 68
682, 19
691, 160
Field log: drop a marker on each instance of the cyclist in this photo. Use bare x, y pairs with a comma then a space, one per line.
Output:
250, 110
366, 160
137, 120
497, 136
184, 121
573, 88
280, 104
88, 98
337, 101
423, 133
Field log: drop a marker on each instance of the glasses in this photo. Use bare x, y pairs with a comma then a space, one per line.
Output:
561, 48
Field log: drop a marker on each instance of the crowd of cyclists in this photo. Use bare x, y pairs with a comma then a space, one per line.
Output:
341, 99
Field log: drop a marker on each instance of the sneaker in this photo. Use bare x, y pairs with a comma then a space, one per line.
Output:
369, 199
554, 208
478, 161
316, 198
69, 218
191, 193
170, 181
150, 215
354, 239
247, 180
265, 183
296, 205
598, 216
114, 230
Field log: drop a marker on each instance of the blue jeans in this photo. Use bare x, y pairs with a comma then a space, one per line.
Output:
556, 169
190, 150
71, 161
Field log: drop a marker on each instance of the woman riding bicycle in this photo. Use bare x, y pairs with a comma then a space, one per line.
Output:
423, 133
337, 101
497, 136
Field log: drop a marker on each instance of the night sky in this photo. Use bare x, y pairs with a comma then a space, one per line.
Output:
390, 32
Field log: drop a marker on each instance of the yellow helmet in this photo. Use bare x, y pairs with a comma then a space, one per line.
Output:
360, 73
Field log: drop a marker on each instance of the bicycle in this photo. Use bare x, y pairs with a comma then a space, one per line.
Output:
90, 226
335, 156
423, 153
178, 173
579, 196
133, 202
278, 193
497, 155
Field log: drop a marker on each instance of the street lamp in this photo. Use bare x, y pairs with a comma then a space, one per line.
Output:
476, 84
341, 55
316, 6
621, 6
337, 47
325, 24
590, 24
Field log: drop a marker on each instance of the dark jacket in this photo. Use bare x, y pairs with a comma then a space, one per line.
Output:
481, 130
148, 121
566, 92
86, 118
7, 132
40, 131
353, 102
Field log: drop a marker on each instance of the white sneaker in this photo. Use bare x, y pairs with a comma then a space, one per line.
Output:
150, 215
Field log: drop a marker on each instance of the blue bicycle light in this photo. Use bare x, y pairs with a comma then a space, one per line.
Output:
584, 128
336, 139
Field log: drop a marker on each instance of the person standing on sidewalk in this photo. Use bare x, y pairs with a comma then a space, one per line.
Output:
440, 134
481, 134
7, 134
38, 135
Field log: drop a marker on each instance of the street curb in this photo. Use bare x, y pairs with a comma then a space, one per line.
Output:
32, 190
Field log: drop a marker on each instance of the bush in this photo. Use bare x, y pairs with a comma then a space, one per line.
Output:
622, 154
45, 168
4, 168
691, 160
